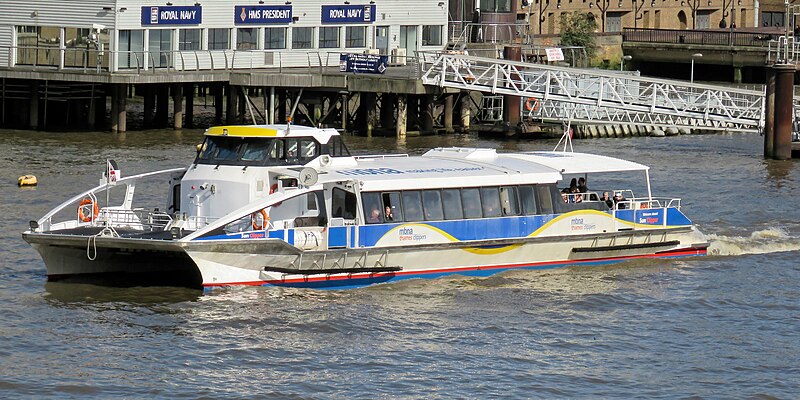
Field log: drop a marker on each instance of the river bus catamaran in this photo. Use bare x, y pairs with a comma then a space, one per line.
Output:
290, 206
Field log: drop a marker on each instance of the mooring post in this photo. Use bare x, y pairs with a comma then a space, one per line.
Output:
512, 104
769, 114
402, 115
177, 106
784, 111
466, 108
448, 113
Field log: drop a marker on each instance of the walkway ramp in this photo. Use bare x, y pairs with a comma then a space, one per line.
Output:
599, 96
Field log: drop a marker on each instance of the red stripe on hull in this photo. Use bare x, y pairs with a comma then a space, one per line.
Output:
699, 251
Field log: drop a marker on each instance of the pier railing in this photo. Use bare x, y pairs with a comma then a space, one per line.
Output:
698, 37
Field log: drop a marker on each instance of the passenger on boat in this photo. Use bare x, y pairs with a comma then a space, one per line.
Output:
374, 216
582, 187
607, 200
573, 186
388, 216
618, 200
565, 195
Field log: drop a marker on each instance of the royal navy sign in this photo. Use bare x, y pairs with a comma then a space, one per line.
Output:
172, 15
363, 63
243, 15
348, 14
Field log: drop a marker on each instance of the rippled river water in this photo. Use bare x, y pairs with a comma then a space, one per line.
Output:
722, 326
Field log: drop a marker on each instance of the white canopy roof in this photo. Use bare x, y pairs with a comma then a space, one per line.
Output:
580, 163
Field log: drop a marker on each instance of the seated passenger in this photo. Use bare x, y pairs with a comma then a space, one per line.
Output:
374, 216
582, 187
618, 200
607, 200
388, 216
565, 195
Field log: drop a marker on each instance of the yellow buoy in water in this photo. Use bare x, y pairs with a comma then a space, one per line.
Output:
27, 180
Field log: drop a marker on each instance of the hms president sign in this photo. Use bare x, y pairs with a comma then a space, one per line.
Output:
172, 15
262, 14
348, 14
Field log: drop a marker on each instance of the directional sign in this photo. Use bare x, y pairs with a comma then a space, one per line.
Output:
363, 63
172, 15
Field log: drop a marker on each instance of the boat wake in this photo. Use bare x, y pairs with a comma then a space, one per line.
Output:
770, 240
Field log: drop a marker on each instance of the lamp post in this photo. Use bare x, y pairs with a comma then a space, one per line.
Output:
622, 63
695, 55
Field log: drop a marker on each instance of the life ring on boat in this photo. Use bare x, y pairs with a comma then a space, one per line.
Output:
264, 219
532, 104
644, 205
85, 216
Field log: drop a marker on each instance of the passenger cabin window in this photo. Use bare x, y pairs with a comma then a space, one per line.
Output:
490, 200
546, 198
373, 211
343, 204
392, 207
432, 203
471, 200
528, 200
508, 200
412, 206
451, 200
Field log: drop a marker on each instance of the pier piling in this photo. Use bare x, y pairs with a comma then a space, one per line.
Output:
402, 116
769, 113
177, 106
448, 113
784, 111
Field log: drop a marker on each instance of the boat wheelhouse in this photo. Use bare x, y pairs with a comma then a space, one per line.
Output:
343, 221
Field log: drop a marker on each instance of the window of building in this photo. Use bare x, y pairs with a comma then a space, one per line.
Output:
76, 43
247, 39
131, 48
355, 36
160, 47
38, 45
769, 19
328, 37
451, 200
302, 37
190, 39
432, 35
274, 38
496, 6
219, 39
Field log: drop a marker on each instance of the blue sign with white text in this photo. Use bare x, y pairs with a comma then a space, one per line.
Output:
365, 64
348, 14
172, 15
262, 14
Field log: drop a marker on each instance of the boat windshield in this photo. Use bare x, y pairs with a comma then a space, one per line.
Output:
231, 150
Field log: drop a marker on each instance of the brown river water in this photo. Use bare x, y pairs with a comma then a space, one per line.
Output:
722, 326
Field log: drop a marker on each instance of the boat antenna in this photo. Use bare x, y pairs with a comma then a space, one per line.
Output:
294, 108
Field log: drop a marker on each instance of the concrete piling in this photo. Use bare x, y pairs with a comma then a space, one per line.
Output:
177, 106
402, 115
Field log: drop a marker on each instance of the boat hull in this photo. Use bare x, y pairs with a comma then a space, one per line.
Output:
267, 262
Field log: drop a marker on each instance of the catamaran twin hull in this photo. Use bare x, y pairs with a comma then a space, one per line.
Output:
394, 252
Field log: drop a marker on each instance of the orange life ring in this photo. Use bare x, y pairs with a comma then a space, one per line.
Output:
264, 219
532, 104
644, 205
87, 217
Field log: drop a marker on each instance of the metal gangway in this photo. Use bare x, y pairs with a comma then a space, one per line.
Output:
599, 96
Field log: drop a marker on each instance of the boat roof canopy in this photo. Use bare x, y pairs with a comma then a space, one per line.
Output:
580, 163
272, 131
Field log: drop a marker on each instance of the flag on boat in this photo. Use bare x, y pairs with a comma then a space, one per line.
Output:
113, 173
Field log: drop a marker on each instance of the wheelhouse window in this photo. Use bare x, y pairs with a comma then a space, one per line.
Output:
219, 38
302, 37
231, 150
274, 38
328, 37
247, 39
189, 39
337, 148
343, 204
355, 36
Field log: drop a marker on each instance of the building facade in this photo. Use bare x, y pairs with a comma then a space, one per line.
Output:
132, 35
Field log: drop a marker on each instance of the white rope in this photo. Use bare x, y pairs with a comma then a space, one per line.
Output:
91, 244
